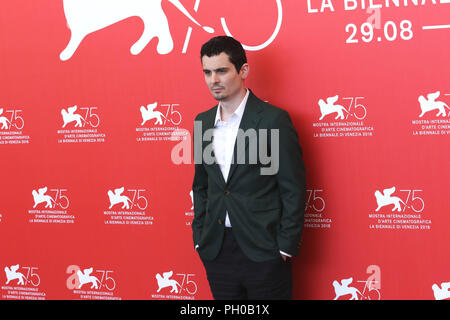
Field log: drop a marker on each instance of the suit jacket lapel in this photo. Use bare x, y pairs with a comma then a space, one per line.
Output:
209, 124
250, 119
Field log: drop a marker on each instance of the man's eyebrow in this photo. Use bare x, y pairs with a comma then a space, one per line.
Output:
218, 69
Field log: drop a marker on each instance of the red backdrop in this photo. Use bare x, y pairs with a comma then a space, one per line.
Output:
93, 207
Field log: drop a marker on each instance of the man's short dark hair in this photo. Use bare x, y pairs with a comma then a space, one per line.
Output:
230, 46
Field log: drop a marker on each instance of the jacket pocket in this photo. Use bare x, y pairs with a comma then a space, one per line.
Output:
265, 204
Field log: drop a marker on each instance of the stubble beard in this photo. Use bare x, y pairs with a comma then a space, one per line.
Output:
219, 96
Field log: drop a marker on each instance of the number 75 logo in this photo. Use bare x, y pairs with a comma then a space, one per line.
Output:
413, 200
314, 201
14, 120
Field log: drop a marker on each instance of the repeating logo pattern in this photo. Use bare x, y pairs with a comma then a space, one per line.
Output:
175, 286
353, 290
430, 104
315, 213
350, 115
162, 125
128, 207
434, 115
22, 283
12, 124
80, 125
92, 283
400, 210
50, 206
346, 118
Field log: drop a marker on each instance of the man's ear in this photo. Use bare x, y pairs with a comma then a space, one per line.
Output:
245, 69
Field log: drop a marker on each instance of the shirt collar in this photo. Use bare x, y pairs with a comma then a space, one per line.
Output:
238, 112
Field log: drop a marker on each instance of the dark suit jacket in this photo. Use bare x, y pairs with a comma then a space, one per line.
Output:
266, 211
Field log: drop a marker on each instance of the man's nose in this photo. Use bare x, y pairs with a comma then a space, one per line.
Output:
214, 77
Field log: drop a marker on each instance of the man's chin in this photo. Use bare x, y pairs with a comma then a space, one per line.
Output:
219, 97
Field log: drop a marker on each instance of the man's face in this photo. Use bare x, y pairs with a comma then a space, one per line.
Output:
224, 82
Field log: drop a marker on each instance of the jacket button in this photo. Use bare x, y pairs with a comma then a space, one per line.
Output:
220, 221
227, 192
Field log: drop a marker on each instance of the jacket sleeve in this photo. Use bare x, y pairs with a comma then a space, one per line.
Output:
199, 188
292, 185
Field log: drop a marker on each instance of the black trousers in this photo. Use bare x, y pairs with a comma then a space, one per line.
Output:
233, 276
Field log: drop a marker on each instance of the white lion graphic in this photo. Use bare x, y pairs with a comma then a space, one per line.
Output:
88, 16
329, 107
40, 197
385, 199
430, 104
116, 197
3, 120
85, 277
165, 281
343, 289
149, 113
69, 116
443, 292
12, 274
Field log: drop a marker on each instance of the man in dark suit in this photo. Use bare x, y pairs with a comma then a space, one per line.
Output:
249, 186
